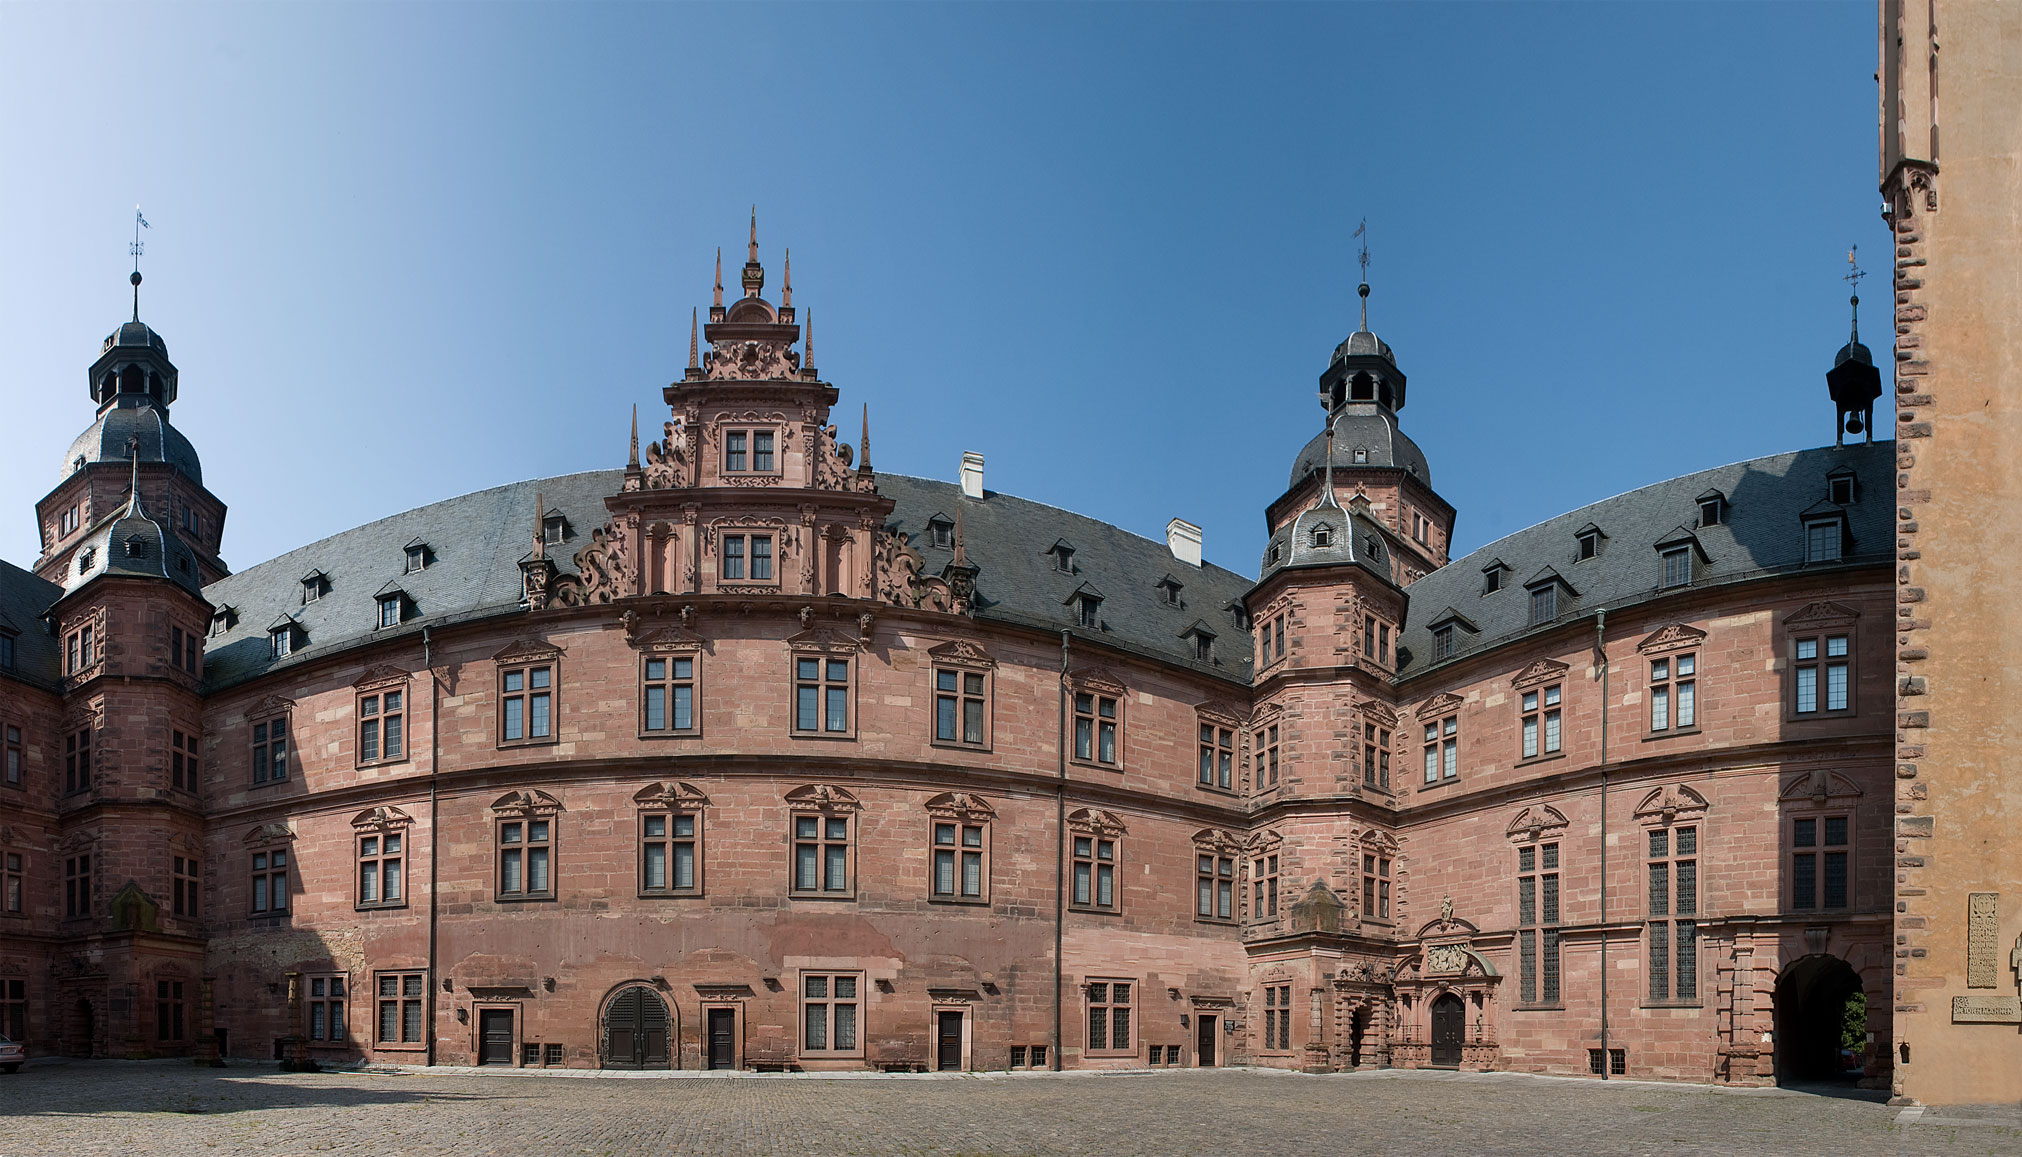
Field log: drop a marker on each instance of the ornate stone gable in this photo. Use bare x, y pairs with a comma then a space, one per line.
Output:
1094, 822
825, 639
1221, 712
1094, 678
1819, 787
1438, 705
673, 796
527, 651
825, 798
1539, 673
381, 819
260, 835
1676, 637
380, 675
1219, 842
530, 802
961, 806
1822, 615
1536, 822
1666, 804
961, 653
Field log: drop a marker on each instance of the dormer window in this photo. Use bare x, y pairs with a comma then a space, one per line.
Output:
1544, 604
1492, 576
1421, 527
1589, 538
136, 547
314, 585
1169, 590
1062, 555
418, 555
1201, 640
941, 532
1271, 556
223, 618
1678, 566
1087, 611
1361, 455
391, 604
1443, 643
1840, 488
284, 637
66, 523
748, 452
1323, 536
1824, 540
554, 528
1712, 508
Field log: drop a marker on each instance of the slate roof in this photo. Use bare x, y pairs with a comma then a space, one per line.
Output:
1368, 427
476, 542
1761, 532
135, 543
135, 417
1009, 538
23, 598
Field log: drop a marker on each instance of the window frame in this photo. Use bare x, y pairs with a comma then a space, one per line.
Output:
77, 760
1215, 885
669, 684
1277, 1001
185, 886
1102, 853
513, 831
262, 747
1377, 742
1540, 877
1264, 874
525, 696
171, 1008
326, 998
1540, 722
1671, 922
1818, 853
410, 991
79, 885
1377, 885
670, 810
185, 762
824, 686
268, 865
747, 556
13, 885
982, 697
1096, 693
13, 758
1109, 1006
1673, 688
959, 854
1216, 750
745, 439
381, 854
371, 706
1820, 664
824, 842
1825, 540
1441, 748
830, 999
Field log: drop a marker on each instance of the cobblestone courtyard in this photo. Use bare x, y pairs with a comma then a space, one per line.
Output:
79, 1109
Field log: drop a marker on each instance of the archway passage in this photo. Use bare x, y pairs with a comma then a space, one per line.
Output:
1812, 1000
1449, 1029
635, 1030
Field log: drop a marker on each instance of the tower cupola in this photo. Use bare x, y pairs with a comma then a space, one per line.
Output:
1853, 380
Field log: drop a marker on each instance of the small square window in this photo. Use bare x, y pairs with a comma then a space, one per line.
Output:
1491, 580
389, 610
1590, 545
1842, 491
417, 557
1709, 512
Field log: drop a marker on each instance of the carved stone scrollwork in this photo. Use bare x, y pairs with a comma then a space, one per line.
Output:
899, 580
751, 361
668, 461
605, 573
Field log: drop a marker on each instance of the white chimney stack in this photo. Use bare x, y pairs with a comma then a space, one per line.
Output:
972, 474
1183, 538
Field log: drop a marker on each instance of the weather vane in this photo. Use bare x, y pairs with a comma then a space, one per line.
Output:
139, 223
1362, 290
1853, 279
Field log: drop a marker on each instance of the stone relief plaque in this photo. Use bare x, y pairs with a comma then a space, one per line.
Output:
1982, 929
1445, 958
1987, 1010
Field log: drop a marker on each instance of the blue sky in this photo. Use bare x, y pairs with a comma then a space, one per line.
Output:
404, 252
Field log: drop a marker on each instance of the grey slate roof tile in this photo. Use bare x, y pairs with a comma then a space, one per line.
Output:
23, 598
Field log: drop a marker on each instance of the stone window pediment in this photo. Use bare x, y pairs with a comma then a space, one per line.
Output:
1218, 841
380, 675
1665, 804
528, 651
1539, 673
260, 835
961, 806
1535, 822
823, 797
531, 801
1094, 822
1676, 637
1439, 705
1821, 616
1818, 787
381, 819
961, 653
826, 640
672, 796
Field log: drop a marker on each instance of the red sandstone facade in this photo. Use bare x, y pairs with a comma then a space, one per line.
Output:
805, 873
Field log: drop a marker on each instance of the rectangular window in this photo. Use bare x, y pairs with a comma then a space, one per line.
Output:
526, 859
1376, 639
382, 722
668, 860
1544, 604
11, 886
183, 886
14, 1009
959, 871
400, 997
1218, 754
667, 695
1538, 923
1094, 873
326, 1009
182, 761
1673, 873
734, 443
81, 651
1265, 758
270, 882
1277, 1018
829, 1007
1215, 887
1375, 757
168, 1010
761, 451
1541, 721
1443, 645
66, 523
1821, 862
1821, 669
1823, 541
526, 703
77, 761
77, 896
821, 855
733, 557
1109, 1019
389, 610
270, 749
380, 872
1095, 718
1264, 881
821, 696
1678, 567
14, 758
1375, 886
960, 706
1442, 749
1674, 699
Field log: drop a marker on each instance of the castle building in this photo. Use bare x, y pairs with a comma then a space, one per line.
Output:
745, 755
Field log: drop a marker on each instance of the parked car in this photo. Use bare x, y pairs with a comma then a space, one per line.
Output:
11, 1055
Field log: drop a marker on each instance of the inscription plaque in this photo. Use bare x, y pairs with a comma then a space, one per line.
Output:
1982, 928
1987, 1010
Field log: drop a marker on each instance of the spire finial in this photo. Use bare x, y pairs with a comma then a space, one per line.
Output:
540, 540
719, 277
133, 498
139, 223
1327, 471
1362, 290
864, 446
632, 462
754, 273
1853, 278
754, 236
961, 551
786, 281
807, 343
694, 346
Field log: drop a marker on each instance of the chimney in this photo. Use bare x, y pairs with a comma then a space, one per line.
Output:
972, 474
1183, 538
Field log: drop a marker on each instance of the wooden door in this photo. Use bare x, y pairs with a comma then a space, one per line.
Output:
1449, 1026
948, 1056
495, 1036
635, 1030
722, 1038
1204, 1040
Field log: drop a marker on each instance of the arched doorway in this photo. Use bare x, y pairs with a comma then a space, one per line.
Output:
1812, 998
636, 1030
1449, 1029
1358, 1038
